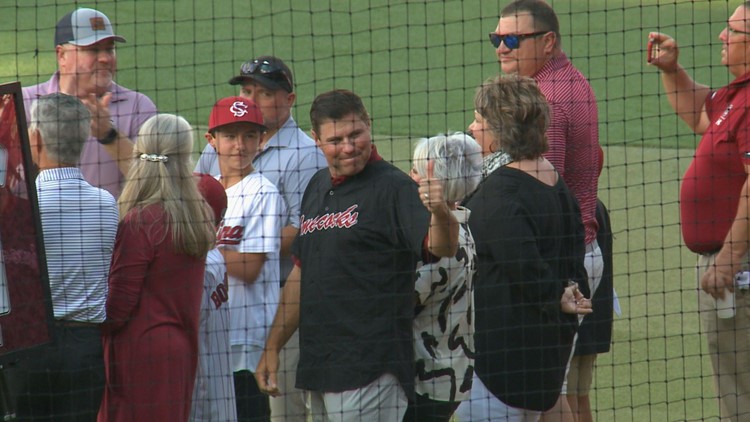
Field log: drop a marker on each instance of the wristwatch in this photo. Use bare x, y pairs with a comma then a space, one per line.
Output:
110, 137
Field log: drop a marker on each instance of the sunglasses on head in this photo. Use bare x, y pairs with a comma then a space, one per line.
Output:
512, 41
265, 68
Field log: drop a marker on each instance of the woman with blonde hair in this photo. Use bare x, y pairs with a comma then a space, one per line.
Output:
156, 280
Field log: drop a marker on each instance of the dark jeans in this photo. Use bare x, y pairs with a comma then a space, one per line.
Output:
65, 382
252, 405
424, 409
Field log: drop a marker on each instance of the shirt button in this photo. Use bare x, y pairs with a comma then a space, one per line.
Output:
330, 193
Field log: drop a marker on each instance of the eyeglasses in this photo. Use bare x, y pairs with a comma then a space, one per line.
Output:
736, 31
512, 41
265, 68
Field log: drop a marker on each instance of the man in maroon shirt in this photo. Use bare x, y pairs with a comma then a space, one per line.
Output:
527, 43
714, 205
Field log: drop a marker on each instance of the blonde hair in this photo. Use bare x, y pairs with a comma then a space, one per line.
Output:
169, 181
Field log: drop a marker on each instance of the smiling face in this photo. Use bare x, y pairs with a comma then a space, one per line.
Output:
531, 54
346, 144
736, 42
236, 145
87, 70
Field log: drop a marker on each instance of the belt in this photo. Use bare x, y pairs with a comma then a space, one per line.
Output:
76, 324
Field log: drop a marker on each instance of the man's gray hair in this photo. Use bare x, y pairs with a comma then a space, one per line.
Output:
457, 163
64, 124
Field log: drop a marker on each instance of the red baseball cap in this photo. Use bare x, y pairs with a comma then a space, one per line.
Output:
233, 110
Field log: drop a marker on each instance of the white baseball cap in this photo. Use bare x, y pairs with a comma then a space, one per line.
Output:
83, 27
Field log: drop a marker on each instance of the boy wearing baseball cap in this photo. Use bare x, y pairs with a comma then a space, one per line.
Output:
249, 237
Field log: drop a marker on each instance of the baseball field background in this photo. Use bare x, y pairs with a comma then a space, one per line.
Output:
416, 63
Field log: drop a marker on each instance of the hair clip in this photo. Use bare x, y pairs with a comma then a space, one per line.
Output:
156, 158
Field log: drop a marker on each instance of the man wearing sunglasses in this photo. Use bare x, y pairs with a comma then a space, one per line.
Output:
288, 158
714, 200
87, 63
527, 43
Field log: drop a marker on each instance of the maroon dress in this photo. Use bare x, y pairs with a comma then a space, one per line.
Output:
151, 335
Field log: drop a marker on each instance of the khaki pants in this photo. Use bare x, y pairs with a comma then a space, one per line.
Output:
292, 405
729, 346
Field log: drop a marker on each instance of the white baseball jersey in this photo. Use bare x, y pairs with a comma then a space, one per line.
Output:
213, 395
252, 224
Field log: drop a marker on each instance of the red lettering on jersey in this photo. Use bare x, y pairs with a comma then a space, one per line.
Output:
221, 294
339, 220
230, 235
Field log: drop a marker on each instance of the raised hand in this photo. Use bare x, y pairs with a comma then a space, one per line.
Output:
662, 51
431, 190
101, 119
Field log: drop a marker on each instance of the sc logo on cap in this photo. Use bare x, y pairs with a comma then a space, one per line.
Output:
238, 108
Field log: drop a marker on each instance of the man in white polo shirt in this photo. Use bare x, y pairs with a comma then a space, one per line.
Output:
79, 223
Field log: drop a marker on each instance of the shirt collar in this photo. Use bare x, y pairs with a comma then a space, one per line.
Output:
552, 65
60, 173
741, 80
276, 140
374, 156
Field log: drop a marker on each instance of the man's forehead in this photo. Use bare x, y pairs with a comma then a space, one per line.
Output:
740, 16
348, 122
515, 23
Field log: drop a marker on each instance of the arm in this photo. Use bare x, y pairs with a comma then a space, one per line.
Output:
685, 95
443, 232
288, 234
260, 226
245, 266
131, 258
285, 323
732, 254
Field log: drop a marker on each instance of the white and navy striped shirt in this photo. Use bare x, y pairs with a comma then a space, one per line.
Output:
79, 224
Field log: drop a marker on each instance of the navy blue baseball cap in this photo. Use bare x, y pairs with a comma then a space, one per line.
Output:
269, 71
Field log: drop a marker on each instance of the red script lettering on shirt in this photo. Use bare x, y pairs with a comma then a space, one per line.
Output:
339, 220
230, 235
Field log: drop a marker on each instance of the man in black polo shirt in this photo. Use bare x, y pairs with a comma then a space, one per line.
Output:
364, 225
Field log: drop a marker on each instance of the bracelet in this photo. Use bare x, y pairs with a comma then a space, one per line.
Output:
110, 137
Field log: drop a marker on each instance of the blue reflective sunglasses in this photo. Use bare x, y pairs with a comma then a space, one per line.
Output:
512, 41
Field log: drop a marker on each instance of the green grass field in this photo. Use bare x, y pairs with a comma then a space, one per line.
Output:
416, 63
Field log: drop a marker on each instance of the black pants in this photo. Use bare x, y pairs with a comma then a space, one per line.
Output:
252, 404
65, 382
424, 409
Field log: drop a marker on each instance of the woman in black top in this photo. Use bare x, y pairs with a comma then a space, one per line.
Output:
530, 247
